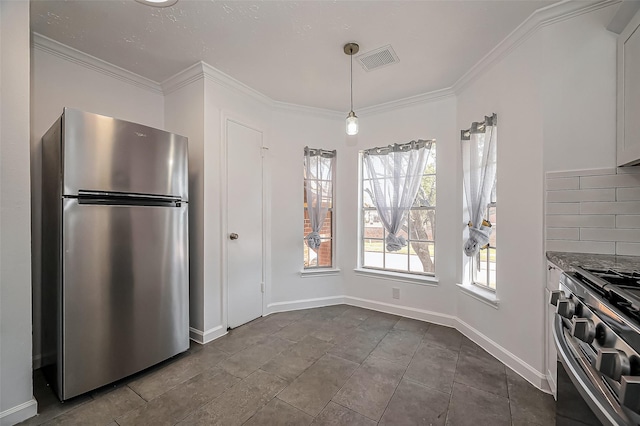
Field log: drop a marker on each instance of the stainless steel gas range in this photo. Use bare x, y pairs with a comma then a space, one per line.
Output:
597, 335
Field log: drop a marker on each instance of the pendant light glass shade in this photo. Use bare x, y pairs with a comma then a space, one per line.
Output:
352, 124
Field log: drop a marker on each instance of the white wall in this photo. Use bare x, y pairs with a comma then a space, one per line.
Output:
292, 131
555, 100
16, 391
58, 82
431, 120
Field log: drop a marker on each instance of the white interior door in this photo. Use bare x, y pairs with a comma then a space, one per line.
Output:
244, 224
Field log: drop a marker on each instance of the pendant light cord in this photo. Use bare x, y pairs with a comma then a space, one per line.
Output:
351, 54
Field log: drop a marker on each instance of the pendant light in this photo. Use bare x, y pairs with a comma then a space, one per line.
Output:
352, 120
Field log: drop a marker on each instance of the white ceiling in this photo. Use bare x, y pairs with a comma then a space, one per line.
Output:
291, 51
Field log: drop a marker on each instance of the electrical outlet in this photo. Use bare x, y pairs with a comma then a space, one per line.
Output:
396, 293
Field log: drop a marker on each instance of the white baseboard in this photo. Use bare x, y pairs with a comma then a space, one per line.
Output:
204, 337
405, 311
19, 413
551, 381
509, 359
295, 305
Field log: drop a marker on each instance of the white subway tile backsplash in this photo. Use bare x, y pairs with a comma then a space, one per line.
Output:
599, 247
628, 194
628, 249
580, 221
610, 181
620, 207
609, 234
563, 233
632, 221
590, 172
563, 183
563, 208
567, 196
601, 216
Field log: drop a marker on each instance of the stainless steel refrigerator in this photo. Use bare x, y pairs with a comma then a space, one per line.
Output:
115, 270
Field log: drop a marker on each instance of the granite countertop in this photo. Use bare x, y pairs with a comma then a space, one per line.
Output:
566, 261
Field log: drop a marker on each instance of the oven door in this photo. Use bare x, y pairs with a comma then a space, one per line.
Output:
582, 397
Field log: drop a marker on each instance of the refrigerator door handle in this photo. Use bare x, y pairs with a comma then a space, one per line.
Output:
119, 198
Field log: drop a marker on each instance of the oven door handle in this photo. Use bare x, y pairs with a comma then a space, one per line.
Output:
579, 369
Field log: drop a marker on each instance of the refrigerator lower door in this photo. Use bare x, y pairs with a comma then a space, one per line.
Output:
125, 291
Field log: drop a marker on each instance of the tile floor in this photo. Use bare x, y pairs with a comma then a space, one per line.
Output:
338, 365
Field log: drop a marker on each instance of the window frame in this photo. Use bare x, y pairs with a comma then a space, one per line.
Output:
330, 214
472, 264
362, 211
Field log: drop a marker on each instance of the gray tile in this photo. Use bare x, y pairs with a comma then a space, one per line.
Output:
238, 339
298, 330
279, 413
480, 370
529, 404
283, 319
314, 388
398, 346
357, 345
337, 415
414, 404
371, 387
102, 410
297, 358
160, 380
379, 321
175, 404
250, 359
357, 313
412, 325
236, 405
472, 407
433, 366
326, 313
446, 337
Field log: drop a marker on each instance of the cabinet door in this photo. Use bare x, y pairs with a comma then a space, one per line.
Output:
628, 111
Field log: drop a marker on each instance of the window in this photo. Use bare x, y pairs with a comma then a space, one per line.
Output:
319, 175
479, 165
483, 265
417, 225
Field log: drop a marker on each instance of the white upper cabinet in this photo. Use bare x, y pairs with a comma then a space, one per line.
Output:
628, 111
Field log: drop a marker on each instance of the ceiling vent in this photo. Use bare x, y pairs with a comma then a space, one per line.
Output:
378, 58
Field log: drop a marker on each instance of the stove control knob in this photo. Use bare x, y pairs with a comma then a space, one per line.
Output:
612, 363
566, 308
583, 329
555, 296
630, 393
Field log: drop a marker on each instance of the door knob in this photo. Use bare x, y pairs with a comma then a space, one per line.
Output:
233, 236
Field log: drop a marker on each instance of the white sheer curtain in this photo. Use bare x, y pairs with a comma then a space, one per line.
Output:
318, 185
396, 173
479, 165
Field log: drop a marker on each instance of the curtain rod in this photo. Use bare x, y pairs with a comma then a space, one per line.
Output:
420, 143
480, 127
321, 152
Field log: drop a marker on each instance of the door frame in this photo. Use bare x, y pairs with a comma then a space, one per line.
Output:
225, 117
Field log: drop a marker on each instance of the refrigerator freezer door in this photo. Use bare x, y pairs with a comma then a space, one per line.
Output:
125, 291
105, 154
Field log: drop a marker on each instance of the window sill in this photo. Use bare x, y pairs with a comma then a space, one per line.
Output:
308, 273
485, 296
398, 276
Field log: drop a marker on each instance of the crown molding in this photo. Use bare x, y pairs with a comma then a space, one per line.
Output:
307, 110
78, 57
405, 102
554, 13
182, 78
